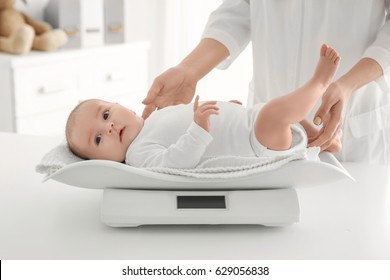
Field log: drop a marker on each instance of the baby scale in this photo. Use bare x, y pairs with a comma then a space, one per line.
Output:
134, 196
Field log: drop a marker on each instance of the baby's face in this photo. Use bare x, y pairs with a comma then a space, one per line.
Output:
104, 130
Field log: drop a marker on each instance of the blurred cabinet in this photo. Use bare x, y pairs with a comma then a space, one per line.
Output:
82, 21
38, 90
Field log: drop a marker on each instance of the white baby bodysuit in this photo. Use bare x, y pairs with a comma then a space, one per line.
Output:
170, 137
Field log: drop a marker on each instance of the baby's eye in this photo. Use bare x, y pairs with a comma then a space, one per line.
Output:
98, 139
106, 114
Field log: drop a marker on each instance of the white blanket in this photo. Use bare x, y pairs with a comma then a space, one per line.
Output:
57, 158
231, 167
220, 167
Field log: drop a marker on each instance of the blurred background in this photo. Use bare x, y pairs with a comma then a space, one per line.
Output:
38, 89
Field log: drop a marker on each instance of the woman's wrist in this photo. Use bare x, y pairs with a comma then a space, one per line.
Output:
190, 70
345, 85
365, 71
207, 55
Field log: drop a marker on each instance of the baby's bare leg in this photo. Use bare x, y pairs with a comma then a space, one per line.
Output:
273, 123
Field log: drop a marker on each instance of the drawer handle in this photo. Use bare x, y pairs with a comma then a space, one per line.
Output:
50, 89
116, 76
92, 30
71, 31
115, 28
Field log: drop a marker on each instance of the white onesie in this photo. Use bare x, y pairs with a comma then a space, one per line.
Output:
170, 137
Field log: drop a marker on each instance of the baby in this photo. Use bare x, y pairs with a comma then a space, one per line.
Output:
183, 136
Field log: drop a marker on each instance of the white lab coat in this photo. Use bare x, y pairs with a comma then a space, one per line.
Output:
286, 37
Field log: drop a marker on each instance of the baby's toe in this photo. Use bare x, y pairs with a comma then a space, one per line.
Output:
323, 50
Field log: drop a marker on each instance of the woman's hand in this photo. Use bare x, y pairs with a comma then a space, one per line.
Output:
334, 146
313, 132
203, 112
175, 86
331, 116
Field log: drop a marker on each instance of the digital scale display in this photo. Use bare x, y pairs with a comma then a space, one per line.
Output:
201, 202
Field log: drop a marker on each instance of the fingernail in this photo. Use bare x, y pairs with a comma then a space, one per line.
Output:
317, 121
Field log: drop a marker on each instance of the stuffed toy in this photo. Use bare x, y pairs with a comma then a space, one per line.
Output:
19, 33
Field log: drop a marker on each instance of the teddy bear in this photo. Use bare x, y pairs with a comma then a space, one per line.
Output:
20, 33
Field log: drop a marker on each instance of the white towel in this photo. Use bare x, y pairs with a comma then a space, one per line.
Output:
233, 166
55, 159
219, 167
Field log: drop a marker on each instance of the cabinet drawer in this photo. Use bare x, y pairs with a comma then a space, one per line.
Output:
52, 124
45, 88
115, 74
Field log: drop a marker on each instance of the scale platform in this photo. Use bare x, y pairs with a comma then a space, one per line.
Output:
131, 208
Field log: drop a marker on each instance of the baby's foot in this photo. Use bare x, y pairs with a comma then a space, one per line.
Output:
327, 66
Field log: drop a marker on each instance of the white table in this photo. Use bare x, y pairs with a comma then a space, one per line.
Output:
345, 220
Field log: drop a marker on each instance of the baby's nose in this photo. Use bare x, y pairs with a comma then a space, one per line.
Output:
110, 128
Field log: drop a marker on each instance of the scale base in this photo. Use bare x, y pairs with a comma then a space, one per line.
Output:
132, 208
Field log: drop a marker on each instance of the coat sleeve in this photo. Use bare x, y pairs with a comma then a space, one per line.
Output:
185, 153
379, 50
230, 25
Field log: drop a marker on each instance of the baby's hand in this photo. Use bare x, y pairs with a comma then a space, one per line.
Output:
203, 112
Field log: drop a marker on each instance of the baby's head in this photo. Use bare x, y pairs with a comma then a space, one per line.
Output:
97, 129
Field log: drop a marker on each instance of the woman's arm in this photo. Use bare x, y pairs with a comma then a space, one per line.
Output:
177, 85
206, 55
226, 34
375, 62
335, 99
